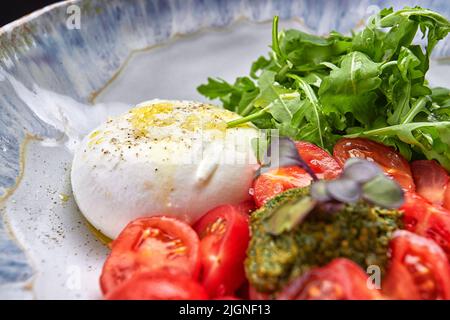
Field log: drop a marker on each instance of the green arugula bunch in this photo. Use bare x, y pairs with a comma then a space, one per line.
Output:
371, 84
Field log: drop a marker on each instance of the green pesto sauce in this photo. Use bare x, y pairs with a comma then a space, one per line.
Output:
360, 232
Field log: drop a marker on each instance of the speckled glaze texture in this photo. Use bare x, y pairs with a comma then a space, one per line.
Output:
39, 52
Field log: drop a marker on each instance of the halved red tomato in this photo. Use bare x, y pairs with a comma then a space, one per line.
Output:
388, 159
418, 269
431, 180
320, 161
246, 207
224, 237
447, 197
271, 183
158, 285
151, 244
341, 279
422, 218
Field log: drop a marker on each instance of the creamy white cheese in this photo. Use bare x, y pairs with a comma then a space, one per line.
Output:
174, 158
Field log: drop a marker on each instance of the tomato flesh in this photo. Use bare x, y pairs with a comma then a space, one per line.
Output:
431, 180
425, 219
161, 257
224, 237
320, 161
393, 164
341, 279
246, 207
271, 183
419, 269
159, 285
151, 244
447, 197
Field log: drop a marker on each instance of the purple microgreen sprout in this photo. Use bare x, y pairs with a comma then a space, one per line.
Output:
319, 191
344, 190
288, 156
383, 192
360, 180
360, 171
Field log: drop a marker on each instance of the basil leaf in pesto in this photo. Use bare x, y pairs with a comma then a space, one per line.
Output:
289, 215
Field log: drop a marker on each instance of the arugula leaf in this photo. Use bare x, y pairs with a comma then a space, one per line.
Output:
260, 64
403, 25
372, 84
405, 83
432, 24
307, 52
440, 108
282, 103
274, 99
215, 88
441, 96
316, 108
351, 88
234, 97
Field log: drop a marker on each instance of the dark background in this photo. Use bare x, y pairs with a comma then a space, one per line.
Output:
12, 10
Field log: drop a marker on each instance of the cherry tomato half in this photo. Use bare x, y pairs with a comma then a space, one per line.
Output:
425, 219
431, 180
320, 161
151, 244
418, 269
447, 197
341, 279
246, 207
389, 160
158, 285
224, 237
271, 183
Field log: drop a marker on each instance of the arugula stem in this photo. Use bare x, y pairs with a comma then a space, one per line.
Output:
419, 104
388, 64
253, 116
282, 73
247, 109
392, 130
309, 92
275, 44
